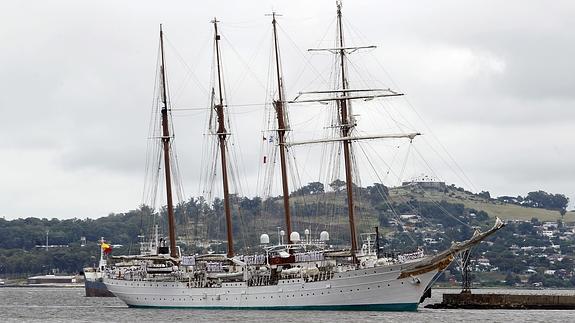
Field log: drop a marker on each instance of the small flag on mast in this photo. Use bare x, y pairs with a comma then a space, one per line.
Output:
106, 248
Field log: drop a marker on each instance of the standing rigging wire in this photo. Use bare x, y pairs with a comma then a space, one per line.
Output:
458, 170
370, 75
389, 205
156, 150
247, 64
266, 156
429, 167
266, 121
293, 167
384, 111
189, 70
402, 172
175, 169
152, 174
405, 201
307, 58
235, 161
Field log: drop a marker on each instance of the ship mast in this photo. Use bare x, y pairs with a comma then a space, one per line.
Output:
166, 146
343, 97
222, 135
282, 127
346, 125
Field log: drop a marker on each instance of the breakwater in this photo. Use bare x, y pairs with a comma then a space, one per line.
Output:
505, 301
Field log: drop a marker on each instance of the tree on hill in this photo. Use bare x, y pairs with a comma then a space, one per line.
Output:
484, 194
377, 193
310, 188
544, 200
338, 185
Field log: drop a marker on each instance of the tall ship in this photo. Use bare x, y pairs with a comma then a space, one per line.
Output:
299, 273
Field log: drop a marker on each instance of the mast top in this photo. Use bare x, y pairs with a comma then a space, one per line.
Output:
273, 15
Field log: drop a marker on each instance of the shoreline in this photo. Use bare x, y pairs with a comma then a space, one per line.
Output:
43, 286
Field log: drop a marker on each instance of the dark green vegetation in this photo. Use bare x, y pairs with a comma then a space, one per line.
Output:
408, 217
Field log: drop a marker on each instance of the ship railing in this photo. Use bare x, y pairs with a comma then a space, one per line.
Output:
411, 256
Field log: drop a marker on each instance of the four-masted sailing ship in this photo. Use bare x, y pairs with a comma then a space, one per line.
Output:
296, 274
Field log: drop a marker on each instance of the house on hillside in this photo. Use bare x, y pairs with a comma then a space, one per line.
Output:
440, 186
548, 233
410, 218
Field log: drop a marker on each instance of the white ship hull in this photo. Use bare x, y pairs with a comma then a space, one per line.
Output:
377, 288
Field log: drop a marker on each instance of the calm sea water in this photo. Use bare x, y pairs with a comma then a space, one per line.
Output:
70, 305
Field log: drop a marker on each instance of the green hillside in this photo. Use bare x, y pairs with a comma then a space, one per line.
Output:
493, 207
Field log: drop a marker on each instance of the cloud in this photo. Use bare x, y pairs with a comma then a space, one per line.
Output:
493, 81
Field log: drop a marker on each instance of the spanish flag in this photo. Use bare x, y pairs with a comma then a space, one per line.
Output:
106, 248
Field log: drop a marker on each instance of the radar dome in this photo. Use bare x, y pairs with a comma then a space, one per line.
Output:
324, 236
264, 239
294, 237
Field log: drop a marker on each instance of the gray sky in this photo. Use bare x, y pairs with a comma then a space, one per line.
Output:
491, 81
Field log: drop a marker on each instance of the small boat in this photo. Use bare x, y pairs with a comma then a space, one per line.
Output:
52, 280
93, 276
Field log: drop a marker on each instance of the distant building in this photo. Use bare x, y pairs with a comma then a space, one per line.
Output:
547, 233
548, 225
43, 246
52, 279
440, 186
549, 272
410, 218
429, 241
